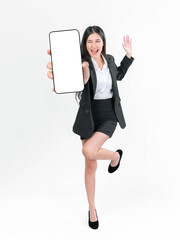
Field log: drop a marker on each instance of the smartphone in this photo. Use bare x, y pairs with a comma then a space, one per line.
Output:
66, 61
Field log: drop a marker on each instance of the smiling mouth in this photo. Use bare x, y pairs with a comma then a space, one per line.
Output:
94, 52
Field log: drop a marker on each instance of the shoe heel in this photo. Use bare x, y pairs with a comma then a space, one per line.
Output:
93, 225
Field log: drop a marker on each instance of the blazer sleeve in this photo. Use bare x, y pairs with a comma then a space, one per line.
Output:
124, 65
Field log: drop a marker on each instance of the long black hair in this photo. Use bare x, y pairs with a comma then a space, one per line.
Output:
84, 52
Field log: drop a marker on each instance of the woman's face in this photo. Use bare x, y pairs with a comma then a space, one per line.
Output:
94, 45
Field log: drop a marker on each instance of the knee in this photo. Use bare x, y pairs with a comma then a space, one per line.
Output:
90, 165
88, 153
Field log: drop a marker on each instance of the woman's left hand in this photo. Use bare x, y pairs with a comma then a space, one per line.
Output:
127, 46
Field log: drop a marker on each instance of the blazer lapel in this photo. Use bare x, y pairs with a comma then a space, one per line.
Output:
112, 70
93, 76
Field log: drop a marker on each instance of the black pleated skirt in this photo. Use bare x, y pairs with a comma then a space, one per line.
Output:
104, 117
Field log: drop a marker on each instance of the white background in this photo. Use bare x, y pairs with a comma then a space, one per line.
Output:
42, 191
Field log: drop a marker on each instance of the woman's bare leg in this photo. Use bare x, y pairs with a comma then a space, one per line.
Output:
92, 149
90, 171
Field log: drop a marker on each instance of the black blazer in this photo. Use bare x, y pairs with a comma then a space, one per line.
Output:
84, 124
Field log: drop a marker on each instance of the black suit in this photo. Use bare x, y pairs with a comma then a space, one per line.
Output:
84, 124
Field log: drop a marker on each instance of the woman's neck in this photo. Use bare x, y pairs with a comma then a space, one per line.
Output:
99, 61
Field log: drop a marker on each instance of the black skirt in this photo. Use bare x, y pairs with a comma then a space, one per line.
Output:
104, 117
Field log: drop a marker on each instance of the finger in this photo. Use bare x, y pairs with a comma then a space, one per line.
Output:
130, 41
49, 52
127, 39
49, 65
50, 74
85, 65
53, 89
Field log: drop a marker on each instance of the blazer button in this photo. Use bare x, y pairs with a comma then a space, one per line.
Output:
118, 104
87, 111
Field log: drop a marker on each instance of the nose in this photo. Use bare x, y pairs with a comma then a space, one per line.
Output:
94, 45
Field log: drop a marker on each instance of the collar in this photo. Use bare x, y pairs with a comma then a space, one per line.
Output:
95, 63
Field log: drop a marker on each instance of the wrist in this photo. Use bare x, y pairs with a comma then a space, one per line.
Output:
128, 55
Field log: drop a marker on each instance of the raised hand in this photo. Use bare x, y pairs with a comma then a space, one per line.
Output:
127, 45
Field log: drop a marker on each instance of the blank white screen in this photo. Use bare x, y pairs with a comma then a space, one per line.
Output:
66, 61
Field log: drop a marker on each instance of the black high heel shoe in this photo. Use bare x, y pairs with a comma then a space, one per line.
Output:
113, 169
95, 224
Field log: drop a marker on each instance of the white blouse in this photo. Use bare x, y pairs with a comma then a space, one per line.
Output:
104, 81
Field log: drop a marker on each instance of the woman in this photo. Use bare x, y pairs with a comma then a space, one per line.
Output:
100, 108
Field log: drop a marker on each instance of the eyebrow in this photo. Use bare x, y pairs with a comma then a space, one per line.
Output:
96, 39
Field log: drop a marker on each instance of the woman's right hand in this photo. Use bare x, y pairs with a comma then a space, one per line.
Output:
86, 73
49, 66
85, 66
